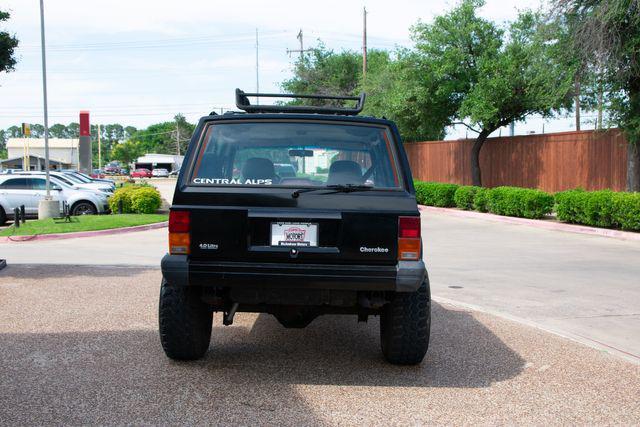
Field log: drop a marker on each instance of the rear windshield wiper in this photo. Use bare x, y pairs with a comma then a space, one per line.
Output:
335, 188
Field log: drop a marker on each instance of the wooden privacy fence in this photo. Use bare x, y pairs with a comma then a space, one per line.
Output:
593, 160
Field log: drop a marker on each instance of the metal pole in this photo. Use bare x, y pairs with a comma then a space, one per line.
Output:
364, 43
257, 77
44, 92
99, 151
178, 136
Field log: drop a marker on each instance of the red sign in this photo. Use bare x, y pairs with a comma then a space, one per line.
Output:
85, 130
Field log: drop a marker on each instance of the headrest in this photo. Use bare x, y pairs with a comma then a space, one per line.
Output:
258, 168
344, 172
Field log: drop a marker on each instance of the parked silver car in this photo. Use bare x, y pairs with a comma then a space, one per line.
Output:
28, 190
74, 181
87, 178
160, 173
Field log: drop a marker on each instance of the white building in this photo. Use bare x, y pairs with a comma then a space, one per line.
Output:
61, 151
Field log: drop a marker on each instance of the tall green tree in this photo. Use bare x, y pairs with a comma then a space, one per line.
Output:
391, 83
8, 44
126, 152
606, 36
323, 71
489, 77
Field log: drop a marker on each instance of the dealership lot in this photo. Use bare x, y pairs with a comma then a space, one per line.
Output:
79, 343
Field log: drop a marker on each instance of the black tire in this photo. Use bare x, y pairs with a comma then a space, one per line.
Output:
405, 325
185, 322
83, 208
3, 216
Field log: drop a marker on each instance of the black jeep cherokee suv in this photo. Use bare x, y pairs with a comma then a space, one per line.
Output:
341, 235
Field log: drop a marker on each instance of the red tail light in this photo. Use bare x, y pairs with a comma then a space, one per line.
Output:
179, 227
409, 227
409, 244
179, 222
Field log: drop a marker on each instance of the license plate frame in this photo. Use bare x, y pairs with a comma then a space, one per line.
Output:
294, 234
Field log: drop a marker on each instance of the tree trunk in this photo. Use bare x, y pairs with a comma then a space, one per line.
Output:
577, 102
633, 166
476, 173
633, 136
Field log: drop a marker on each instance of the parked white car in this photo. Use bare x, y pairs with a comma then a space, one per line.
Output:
28, 190
160, 173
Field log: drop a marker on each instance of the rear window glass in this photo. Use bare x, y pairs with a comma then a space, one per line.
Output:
295, 154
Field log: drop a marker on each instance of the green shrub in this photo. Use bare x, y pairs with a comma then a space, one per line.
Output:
464, 196
603, 208
435, 193
569, 205
481, 199
135, 199
145, 200
519, 202
598, 208
124, 194
626, 211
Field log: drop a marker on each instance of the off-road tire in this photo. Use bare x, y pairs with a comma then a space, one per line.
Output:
405, 325
185, 322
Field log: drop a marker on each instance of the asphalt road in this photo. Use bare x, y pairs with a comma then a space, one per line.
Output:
79, 345
585, 287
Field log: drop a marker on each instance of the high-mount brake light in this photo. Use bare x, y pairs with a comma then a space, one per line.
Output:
179, 237
409, 245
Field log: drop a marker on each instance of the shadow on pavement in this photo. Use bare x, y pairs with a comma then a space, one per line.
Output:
48, 271
339, 351
123, 376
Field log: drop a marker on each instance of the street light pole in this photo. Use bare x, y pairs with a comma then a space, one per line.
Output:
47, 207
46, 112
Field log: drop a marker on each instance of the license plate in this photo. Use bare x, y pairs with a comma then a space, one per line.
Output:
294, 234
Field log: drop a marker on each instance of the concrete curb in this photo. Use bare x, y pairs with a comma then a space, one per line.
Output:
61, 236
547, 225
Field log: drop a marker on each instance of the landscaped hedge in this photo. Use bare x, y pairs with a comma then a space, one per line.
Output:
603, 208
464, 196
136, 199
599, 208
435, 193
520, 202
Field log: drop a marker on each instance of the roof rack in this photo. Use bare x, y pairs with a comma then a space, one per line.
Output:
242, 102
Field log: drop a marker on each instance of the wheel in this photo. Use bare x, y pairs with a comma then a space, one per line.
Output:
83, 208
405, 324
185, 322
3, 216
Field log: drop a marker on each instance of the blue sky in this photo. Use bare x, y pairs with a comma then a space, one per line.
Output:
139, 62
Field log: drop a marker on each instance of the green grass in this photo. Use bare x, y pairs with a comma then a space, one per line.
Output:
83, 223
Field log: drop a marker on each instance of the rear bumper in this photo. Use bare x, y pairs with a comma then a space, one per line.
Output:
406, 276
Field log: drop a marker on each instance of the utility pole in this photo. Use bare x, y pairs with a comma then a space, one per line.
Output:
302, 50
257, 68
364, 42
99, 151
178, 137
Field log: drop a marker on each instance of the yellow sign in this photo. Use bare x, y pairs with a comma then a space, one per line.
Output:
26, 129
